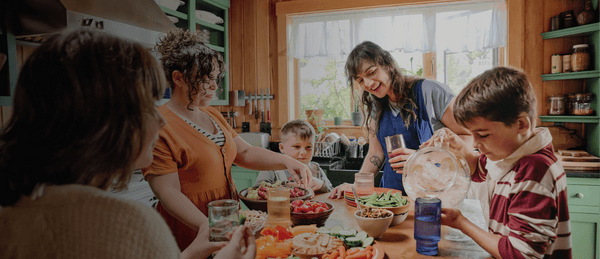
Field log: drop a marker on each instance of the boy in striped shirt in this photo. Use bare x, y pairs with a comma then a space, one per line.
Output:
516, 176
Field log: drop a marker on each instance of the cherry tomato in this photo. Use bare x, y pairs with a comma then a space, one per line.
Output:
320, 209
304, 208
297, 210
310, 212
323, 205
297, 203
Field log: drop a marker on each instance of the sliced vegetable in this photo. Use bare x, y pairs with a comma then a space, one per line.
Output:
362, 235
347, 233
367, 241
353, 241
335, 230
323, 230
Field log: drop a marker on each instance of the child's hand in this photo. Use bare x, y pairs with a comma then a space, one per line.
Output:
338, 192
242, 245
399, 157
448, 138
452, 217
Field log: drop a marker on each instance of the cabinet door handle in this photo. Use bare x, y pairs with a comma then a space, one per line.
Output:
579, 195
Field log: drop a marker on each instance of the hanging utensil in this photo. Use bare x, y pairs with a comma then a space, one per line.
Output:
268, 107
255, 104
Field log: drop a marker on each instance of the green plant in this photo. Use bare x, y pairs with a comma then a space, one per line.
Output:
319, 128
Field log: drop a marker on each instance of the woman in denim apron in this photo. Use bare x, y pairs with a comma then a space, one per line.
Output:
396, 104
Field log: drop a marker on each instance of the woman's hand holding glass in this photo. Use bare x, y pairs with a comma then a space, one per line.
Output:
398, 158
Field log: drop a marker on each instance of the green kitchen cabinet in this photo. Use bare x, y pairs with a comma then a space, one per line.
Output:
219, 33
584, 211
243, 178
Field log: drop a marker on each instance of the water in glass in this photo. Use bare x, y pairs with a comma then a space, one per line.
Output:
427, 225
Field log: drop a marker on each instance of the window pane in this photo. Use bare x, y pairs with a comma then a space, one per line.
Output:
410, 63
323, 86
457, 69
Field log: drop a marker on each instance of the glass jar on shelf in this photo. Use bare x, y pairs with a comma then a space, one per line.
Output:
580, 59
556, 105
569, 102
582, 104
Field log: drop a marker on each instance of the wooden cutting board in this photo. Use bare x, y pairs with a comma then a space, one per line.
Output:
578, 160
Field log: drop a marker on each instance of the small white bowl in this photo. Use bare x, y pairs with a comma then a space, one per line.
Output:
375, 227
399, 218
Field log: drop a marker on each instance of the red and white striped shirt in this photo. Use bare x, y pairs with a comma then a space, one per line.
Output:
528, 203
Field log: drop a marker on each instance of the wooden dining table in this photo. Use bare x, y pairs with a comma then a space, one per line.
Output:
399, 242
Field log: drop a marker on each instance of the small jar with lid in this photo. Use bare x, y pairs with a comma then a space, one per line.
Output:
569, 103
580, 59
556, 105
582, 104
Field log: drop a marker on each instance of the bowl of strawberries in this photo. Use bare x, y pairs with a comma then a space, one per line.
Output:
306, 212
255, 198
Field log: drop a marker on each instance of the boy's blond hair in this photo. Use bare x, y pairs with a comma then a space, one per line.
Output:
499, 94
299, 128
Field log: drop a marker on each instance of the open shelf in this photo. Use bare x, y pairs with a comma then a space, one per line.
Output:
209, 25
576, 31
572, 75
215, 47
177, 14
570, 118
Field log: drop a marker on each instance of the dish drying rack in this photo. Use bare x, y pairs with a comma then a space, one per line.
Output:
327, 149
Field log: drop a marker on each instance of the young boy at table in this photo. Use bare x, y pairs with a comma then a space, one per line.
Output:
516, 176
298, 141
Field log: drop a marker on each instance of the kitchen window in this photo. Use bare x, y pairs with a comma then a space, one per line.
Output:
450, 43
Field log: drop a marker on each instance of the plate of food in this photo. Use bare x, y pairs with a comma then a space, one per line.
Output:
253, 219
255, 198
309, 241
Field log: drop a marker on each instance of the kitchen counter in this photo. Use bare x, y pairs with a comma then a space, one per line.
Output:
398, 241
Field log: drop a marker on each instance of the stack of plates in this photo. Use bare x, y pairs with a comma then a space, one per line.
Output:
349, 197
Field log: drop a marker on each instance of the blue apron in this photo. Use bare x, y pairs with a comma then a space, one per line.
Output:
418, 132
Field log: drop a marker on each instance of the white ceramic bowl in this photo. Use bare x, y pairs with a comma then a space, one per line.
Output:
375, 227
399, 218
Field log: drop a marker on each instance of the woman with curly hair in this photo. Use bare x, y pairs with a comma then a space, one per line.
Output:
84, 118
396, 104
196, 149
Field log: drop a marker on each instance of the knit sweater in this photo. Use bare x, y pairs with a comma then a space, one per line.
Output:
526, 194
77, 221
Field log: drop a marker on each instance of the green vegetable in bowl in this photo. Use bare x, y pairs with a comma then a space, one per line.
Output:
384, 200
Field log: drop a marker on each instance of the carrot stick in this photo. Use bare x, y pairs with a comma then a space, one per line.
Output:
342, 251
334, 255
352, 251
370, 254
360, 255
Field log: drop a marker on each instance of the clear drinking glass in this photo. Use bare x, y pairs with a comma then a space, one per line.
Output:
364, 184
223, 215
428, 212
394, 142
278, 206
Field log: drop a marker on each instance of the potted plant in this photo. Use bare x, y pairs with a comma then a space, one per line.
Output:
314, 117
356, 114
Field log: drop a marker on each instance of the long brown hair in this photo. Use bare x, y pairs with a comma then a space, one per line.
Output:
79, 114
370, 52
184, 51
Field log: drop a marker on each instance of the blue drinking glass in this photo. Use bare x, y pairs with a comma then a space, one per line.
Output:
428, 212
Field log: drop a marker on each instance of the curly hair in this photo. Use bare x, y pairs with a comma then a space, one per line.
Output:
370, 52
80, 108
499, 94
182, 50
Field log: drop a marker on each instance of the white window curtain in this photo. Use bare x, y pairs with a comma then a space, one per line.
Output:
455, 27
